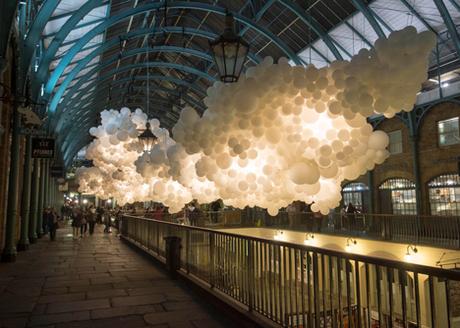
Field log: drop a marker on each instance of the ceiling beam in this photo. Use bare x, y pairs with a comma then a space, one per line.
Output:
367, 12
449, 24
312, 23
150, 6
134, 52
33, 37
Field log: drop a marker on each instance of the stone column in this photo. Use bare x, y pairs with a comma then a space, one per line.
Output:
47, 184
35, 190
41, 198
416, 168
370, 185
25, 202
51, 192
9, 252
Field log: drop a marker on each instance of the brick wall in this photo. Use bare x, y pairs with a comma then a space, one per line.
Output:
434, 160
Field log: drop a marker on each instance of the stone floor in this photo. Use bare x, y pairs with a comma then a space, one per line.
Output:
96, 281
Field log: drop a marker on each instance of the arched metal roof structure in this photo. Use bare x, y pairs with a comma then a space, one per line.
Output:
78, 53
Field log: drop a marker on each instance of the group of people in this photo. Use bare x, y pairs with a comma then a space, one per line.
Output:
155, 212
50, 222
84, 218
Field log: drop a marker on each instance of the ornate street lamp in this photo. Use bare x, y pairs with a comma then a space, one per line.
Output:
229, 52
147, 138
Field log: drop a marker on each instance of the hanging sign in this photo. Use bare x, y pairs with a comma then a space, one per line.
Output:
42, 147
57, 171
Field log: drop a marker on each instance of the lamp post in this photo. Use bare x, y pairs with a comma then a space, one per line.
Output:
229, 52
147, 138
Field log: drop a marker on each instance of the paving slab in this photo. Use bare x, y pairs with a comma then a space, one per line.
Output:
96, 281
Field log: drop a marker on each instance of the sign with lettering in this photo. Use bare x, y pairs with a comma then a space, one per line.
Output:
32, 131
42, 147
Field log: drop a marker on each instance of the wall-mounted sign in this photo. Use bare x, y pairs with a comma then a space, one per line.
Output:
42, 147
33, 131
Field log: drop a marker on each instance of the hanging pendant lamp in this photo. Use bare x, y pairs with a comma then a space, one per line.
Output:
229, 52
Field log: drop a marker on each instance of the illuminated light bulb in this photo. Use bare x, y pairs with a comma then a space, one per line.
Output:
309, 239
85, 201
411, 252
279, 235
351, 243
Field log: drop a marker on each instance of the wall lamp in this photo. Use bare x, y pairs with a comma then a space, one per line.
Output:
351, 242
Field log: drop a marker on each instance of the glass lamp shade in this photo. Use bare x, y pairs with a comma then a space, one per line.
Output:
229, 52
147, 138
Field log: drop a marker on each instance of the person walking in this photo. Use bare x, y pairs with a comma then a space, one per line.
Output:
45, 214
52, 219
91, 217
99, 214
193, 214
215, 208
107, 221
351, 216
84, 223
76, 222
158, 212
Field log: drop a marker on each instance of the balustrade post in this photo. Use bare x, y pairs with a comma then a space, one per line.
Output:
458, 232
187, 250
250, 274
211, 258
33, 214
25, 201
158, 239
9, 250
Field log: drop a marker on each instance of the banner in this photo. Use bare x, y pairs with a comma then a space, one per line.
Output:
42, 147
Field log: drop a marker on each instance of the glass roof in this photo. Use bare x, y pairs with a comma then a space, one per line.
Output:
276, 30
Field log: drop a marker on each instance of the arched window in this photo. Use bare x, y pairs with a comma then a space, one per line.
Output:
397, 196
444, 195
355, 193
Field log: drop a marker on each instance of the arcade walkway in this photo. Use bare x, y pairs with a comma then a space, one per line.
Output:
97, 281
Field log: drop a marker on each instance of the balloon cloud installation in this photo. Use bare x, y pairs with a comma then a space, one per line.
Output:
281, 133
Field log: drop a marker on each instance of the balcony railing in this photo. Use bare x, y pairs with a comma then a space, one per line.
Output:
438, 231
305, 286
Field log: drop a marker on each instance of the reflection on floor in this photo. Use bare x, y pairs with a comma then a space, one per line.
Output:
96, 281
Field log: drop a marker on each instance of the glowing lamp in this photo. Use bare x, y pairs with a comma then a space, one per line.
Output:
147, 138
309, 239
279, 235
411, 251
350, 245
229, 52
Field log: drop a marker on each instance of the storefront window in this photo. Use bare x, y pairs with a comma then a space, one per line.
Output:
354, 193
398, 196
448, 132
444, 194
395, 146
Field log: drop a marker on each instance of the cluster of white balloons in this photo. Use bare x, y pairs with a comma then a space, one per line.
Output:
279, 134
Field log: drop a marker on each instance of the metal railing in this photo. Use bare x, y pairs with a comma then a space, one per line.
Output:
305, 286
439, 231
